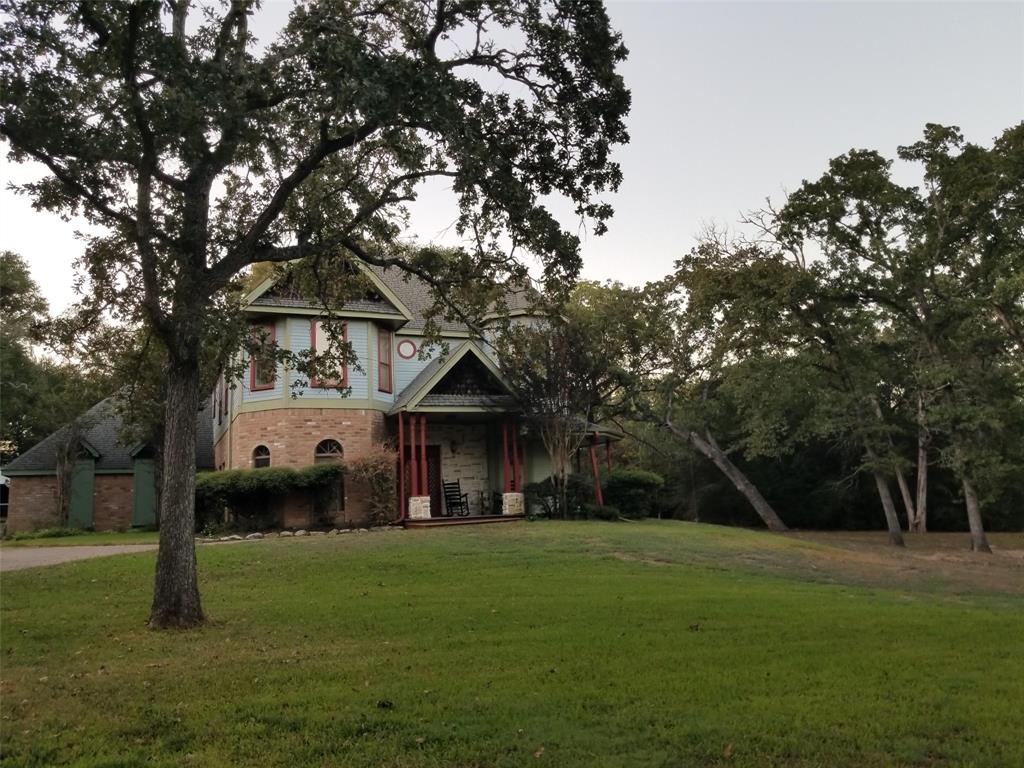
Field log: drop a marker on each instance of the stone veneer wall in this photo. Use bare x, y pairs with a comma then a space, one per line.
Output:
33, 503
468, 464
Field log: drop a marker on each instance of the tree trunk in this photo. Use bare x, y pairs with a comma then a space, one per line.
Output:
908, 499
979, 542
892, 521
176, 592
921, 518
710, 449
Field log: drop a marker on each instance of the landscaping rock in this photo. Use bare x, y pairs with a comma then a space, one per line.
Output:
232, 537
317, 533
302, 532
362, 530
333, 532
285, 533
254, 536
345, 530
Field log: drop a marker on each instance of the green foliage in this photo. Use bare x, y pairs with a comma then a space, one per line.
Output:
377, 470
633, 491
578, 490
250, 493
598, 512
44, 533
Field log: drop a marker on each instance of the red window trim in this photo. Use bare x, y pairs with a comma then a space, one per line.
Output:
381, 335
271, 338
314, 382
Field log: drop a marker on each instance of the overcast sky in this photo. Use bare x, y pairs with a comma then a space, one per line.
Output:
732, 102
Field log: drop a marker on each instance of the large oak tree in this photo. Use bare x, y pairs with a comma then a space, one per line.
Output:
202, 153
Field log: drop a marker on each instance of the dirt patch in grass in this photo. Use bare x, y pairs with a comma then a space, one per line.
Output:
940, 558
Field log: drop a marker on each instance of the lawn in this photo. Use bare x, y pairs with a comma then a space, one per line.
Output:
562, 644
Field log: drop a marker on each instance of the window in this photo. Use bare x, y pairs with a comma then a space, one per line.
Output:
330, 452
384, 383
317, 332
262, 365
226, 394
260, 457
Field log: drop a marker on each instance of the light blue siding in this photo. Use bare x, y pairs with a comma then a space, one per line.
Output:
406, 370
298, 335
248, 395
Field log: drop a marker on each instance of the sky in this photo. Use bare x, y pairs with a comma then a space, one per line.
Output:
732, 103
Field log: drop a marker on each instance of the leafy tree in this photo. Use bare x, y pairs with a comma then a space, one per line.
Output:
203, 154
939, 269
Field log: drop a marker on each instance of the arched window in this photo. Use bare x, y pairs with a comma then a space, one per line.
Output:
260, 457
328, 452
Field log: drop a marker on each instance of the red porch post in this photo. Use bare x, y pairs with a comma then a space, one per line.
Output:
516, 479
424, 485
598, 496
401, 466
414, 475
505, 468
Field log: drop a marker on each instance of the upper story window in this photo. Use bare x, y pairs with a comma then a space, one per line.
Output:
384, 375
262, 365
260, 457
319, 342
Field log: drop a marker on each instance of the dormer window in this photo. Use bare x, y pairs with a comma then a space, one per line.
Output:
319, 342
384, 366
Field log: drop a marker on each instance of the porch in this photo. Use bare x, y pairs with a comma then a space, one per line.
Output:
487, 456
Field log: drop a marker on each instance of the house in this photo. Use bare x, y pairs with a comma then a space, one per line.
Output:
110, 480
452, 416
445, 407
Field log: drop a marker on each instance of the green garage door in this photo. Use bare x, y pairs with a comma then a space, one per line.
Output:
82, 484
144, 493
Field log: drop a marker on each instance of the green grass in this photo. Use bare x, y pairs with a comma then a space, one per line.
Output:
64, 537
563, 644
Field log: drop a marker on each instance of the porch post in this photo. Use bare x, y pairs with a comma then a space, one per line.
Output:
516, 486
414, 475
598, 496
506, 488
425, 484
401, 466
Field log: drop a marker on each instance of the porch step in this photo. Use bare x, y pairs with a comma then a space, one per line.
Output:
440, 522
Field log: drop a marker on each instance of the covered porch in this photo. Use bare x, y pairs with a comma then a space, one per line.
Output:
463, 466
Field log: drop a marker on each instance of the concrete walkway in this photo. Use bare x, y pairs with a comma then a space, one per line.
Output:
17, 558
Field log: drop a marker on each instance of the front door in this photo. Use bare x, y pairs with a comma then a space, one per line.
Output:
433, 476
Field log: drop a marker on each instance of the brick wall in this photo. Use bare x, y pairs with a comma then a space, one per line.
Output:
292, 435
112, 501
33, 503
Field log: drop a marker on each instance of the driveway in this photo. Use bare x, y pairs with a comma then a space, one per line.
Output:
16, 558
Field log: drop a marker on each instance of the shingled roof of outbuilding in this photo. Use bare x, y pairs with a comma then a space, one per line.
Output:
101, 431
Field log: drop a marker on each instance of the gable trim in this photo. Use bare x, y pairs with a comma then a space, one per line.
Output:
443, 370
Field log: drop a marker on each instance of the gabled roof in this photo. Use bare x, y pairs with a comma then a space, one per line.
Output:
421, 393
388, 305
101, 436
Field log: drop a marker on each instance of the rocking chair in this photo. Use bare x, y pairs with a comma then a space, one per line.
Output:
455, 501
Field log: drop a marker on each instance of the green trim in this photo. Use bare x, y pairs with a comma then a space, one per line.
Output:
340, 403
309, 312
462, 409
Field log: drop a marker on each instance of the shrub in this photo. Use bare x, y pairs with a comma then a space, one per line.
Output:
377, 469
579, 490
249, 492
598, 512
633, 491
46, 533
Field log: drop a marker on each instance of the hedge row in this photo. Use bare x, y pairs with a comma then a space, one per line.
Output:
238, 484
